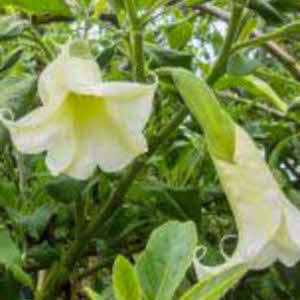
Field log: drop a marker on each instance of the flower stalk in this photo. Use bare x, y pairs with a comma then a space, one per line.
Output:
220, 66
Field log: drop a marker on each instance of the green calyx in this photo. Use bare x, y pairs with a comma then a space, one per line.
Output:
80, 49
218, 126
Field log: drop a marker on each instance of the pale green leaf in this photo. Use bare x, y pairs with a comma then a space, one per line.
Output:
10, 257
90, 294
100, 8
179, 34
125, 280
40, 7
166, 259
215, 286
252, 85
240, 65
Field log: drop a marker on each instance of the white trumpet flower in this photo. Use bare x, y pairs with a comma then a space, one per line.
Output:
268, 224
84, 122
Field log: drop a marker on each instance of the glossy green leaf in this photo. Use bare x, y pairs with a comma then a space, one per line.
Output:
166, 259
65, 189
179, 34
125, 280
252, 85
40, 7
160, 57
266, 10
214, 287
240, 65
200, 99
286, 5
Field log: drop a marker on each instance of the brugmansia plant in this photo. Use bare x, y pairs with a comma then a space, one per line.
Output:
137, 138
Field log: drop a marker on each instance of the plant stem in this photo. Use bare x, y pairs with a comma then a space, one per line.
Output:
136, 38
148, 16
276, 113
221, 63
263, 39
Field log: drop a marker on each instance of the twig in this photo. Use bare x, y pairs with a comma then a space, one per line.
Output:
287, 60
221, 63
272, 111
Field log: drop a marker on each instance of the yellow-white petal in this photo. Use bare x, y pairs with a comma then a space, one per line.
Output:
101, 138
268, 224
34, 132
52, 87
129, 103
44, 129
253, 194
81, 75
61, 150
287, 240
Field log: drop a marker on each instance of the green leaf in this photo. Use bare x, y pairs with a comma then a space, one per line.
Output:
252, 85
10, 256
214, 287
100, 8
9, 287
266, 10
240, 65
125, 280
8, 194
65, 189
106, 56
91, 295
11, 27
144, 4
43, 254
179, 34
15, 92
286, 5
33, 224
11, 60
217, 124
160, 57
166, 259
40, 7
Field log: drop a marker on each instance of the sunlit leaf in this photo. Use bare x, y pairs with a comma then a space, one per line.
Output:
55, 7
125, 280
253, 85
166, 259
214, 287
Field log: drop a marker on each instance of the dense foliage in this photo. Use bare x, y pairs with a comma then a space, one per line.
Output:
133, 234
